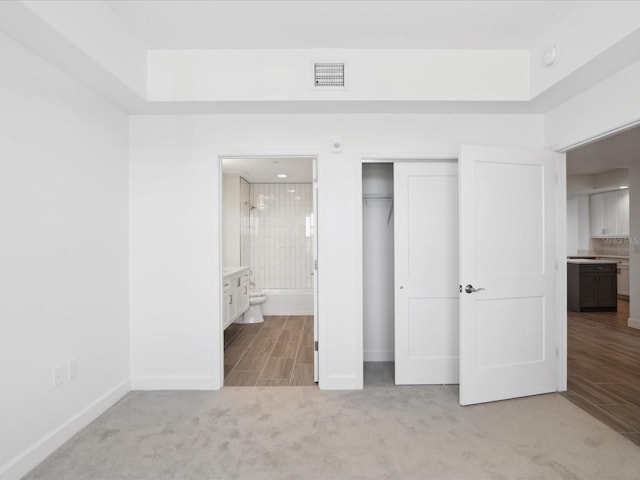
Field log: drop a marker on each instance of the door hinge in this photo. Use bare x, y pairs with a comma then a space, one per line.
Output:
315, 346
315, 264
557, 352
460, 289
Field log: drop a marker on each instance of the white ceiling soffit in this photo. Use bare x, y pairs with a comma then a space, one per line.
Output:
185, 24
267, 169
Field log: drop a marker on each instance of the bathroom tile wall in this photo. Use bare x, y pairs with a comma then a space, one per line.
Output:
281, 235
245, 222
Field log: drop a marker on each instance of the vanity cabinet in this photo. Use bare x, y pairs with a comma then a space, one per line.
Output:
609, 214
592, 286
235, 294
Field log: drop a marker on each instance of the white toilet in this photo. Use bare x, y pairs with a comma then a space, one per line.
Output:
254, 313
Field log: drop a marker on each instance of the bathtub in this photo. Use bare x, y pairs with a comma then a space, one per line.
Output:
288, 301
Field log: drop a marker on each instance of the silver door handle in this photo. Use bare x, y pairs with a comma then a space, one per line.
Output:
470, 289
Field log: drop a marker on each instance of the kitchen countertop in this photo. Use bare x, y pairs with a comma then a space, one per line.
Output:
619, 257
586, 261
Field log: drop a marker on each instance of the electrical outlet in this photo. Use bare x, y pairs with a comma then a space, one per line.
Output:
58, 376
73, 368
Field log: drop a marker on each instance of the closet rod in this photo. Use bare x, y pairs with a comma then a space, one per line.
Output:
368, 196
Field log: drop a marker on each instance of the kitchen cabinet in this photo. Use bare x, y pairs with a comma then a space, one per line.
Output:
623, 279
609, 212
622, 273
592, 286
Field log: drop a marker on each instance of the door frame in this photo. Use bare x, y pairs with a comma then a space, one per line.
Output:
561, 234
316, 245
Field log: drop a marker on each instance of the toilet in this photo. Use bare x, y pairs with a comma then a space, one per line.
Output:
254, 313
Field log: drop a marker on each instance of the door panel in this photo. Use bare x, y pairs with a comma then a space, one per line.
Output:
507, 252
426, 272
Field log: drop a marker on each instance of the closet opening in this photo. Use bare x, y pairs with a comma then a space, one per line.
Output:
410, 272
378, 273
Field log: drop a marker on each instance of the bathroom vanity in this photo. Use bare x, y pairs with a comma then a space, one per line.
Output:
235, 293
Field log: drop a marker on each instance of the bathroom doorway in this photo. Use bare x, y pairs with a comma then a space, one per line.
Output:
269, 270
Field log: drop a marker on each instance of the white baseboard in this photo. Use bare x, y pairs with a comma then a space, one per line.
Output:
341, 382
175, 383
24, 462
633, 323
378, 356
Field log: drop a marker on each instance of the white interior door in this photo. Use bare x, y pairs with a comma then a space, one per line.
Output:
314, 237
426, 272
507, 252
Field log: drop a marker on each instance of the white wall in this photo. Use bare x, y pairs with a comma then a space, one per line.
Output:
231, 219
578, 226
607, 106
267, 75
64, 257
175, 303
378, 273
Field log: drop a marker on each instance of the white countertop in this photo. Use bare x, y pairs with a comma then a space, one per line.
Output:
619, 257
585, 261
229, 271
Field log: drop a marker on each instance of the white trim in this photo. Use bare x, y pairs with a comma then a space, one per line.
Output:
562, 148
561, 272
341, 382
379, 356
175, 382
29, 458
633, 323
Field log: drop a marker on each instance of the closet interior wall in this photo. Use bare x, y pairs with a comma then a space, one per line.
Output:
378, 261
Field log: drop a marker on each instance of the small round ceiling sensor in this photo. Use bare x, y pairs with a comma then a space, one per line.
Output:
550, 55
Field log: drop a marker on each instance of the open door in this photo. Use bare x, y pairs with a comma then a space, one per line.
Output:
508, 336
426, 272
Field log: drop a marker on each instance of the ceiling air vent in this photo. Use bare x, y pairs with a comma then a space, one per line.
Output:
328, 75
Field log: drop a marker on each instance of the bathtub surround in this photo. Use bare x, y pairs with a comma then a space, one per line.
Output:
281, 235
245, 222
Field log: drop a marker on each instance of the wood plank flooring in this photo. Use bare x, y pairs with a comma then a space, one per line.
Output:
278, 352
604, 368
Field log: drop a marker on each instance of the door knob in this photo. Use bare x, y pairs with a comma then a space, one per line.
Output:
470, 289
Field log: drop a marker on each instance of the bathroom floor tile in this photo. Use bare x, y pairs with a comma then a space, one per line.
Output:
278, 352
278, 368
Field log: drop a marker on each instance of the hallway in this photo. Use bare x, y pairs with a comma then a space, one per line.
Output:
604, 368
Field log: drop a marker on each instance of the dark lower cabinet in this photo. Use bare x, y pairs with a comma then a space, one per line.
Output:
592, 287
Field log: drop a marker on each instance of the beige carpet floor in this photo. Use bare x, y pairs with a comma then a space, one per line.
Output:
383, 432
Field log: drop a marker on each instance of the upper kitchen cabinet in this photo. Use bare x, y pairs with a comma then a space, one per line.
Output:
610, 214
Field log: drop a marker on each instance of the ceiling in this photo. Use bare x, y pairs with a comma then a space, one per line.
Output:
301, 24
266, 169
616, 151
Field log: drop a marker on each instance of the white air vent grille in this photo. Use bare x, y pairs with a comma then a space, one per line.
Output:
328, 74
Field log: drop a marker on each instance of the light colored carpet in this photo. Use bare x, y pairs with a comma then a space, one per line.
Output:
383, 432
